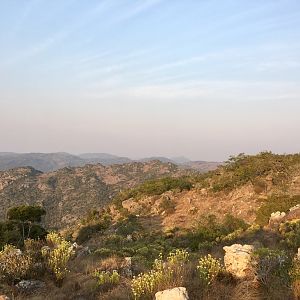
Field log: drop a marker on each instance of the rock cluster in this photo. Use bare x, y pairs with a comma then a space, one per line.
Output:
275, 219
238, 259
30, 285
178, 293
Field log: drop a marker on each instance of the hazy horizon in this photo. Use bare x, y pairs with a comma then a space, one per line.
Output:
201, 79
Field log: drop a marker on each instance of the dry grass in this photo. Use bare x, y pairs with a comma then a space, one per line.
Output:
111, 263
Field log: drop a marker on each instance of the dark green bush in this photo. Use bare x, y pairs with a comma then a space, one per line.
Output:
128, 225
273, 204
86, 232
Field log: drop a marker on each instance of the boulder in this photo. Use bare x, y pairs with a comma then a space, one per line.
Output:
30, 285
275, 219
178, 293
238, 259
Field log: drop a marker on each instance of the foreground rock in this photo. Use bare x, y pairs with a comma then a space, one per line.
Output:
178, 293
238, 259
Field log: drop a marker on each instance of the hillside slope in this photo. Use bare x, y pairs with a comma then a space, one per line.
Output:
245, 187
69, 193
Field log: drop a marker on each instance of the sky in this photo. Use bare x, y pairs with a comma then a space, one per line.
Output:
201, 78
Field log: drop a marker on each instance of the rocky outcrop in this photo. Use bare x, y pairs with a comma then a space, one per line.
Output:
178, 293
275, 219
238, 259
280, 217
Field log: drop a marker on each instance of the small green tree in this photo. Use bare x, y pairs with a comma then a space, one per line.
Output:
27, 216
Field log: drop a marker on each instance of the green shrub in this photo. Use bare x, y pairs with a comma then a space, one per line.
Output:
242, 169
275, 203
208, 269
290, 232
103, 252
86, 232
107, 279
272, 266
128, 225
209, 231
163, 275
57, 255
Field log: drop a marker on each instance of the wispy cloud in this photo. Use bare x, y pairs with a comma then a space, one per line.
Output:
141, 7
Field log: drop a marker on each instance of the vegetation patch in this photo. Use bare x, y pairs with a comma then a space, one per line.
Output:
275, 203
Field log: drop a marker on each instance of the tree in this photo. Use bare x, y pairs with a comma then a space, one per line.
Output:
27, 216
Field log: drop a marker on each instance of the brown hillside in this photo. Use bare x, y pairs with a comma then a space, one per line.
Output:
70, 193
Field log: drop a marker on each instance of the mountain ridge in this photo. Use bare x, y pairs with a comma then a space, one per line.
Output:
48, 162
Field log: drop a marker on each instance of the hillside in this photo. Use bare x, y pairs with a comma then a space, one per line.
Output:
70, 193
240, 187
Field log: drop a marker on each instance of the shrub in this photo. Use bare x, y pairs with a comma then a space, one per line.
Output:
295, 276
270, 264
103, 252
86, 232
208, 268
273, 204
10, 234
14, 265
163, 275
209, 231
178, 256
107, 279
290, 231
57, 255
128, 225
241, 169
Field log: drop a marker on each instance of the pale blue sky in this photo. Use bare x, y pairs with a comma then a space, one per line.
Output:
200, 78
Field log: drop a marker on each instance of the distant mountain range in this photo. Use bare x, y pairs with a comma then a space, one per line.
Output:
48, 162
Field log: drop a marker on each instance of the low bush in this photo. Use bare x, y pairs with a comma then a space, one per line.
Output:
57, 255
209, 268
163, 275
128, 225
275, 203
14, 265
106, 279
210, 232
272, 266
290, 232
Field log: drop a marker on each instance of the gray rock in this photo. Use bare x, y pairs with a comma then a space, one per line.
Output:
30, 285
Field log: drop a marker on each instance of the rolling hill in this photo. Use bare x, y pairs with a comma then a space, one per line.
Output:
68, 194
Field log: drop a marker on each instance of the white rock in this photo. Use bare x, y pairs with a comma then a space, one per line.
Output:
238, 259
178, 293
